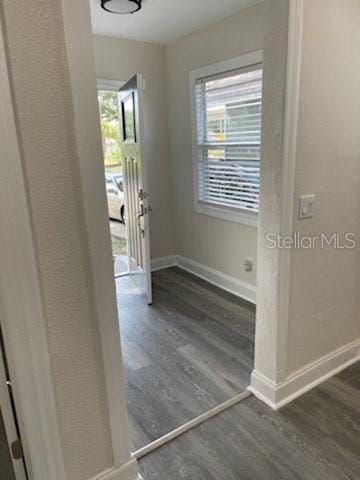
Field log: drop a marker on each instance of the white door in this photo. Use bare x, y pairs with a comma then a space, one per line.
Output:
135, 186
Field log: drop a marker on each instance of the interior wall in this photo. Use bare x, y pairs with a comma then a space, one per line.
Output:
216, 243
325, 283
43, 103
120, 59
271, 332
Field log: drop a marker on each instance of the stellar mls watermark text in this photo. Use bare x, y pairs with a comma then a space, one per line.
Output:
337, 241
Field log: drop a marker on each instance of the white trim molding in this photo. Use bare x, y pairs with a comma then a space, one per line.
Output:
241, 216
22, 311
190, 425
109, 85
244, 290
291, 117
128, 471
161, 263
305, 379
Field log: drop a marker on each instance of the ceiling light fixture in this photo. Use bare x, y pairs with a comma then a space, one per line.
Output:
121, 6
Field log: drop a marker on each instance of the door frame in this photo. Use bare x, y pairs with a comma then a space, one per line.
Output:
114, 86
272, 317
22, 315
80, 58
22, 311
109, 85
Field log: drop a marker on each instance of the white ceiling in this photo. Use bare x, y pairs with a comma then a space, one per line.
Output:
163, 21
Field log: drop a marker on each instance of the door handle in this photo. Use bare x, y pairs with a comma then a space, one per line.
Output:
141, 212
138, 217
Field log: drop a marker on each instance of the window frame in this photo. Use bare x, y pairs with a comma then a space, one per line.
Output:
107, 85
247, 60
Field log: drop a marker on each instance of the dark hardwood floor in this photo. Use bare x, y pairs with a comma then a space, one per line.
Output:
317, 437
188, 352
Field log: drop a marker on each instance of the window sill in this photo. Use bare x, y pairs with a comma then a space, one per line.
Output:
238, 216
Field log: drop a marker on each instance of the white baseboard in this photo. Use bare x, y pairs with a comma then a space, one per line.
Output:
128, 471
163, 262
244, 290
305, 379
241, 289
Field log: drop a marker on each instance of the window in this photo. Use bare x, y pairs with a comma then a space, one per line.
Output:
227, 142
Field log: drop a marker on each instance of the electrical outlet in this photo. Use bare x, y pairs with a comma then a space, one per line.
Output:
249, 265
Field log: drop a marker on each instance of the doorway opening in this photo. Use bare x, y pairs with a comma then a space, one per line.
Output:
191, 353
121, 118
114, 181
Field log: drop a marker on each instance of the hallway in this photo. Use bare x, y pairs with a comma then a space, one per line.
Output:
187, 353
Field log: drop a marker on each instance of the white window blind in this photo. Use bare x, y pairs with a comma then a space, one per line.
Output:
228, 112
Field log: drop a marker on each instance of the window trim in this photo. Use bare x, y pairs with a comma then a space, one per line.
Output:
227, 66
109, 85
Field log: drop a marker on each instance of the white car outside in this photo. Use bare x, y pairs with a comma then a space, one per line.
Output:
115, 196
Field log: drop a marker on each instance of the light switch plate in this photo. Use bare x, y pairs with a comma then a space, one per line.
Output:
306, 206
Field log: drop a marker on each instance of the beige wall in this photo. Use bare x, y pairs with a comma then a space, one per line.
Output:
175, 227
219, 244
325, 284
119, 59
44, 106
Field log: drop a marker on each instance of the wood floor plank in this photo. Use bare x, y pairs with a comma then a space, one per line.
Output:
314, 438
226, 381
187, 353
208, 299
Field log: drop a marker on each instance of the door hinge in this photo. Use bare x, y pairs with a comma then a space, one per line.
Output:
17, 450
